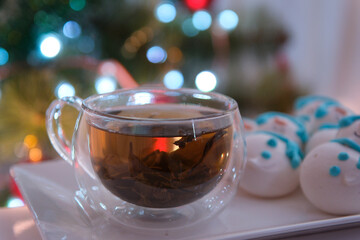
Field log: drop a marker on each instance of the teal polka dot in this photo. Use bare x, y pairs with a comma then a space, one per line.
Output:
266, 154
321, 112
334, 171
295, 162
272, 143
343, 156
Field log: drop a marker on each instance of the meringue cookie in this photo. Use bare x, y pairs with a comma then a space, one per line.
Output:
249, 125
324, 134
349, 127
307, 105
328, 113
272, 167
330, 177
283, 124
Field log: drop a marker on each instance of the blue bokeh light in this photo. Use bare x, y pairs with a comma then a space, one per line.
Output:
50, 45
188, 28
173, 79
105, 84
71, 29
156, 54
64, 89
228, 20
206, 81
201, 20
4, 56
165, 12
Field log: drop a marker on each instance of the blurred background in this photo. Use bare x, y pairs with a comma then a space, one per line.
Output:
264, 54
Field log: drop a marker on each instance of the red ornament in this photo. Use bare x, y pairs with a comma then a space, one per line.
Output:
195, 5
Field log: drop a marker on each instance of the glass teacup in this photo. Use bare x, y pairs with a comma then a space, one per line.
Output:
152, 157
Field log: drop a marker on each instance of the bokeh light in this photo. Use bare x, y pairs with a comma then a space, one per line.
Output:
201, 20
156, 54
189, 28
174, 79
14, 202
64, 89
4, 56
206, 81
50, 46
165, 12
228, 20
105, 84
175, 55
35, 155
30, 141
86, 44
77, 5
197, 4
71, 29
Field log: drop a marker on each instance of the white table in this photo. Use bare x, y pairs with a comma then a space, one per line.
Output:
18, 224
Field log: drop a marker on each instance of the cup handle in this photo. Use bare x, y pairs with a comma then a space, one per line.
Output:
57, 138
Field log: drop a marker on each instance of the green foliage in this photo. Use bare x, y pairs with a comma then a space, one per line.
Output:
276, 92
25, 98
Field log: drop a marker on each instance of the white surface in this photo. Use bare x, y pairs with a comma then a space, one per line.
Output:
48, 189
18, 224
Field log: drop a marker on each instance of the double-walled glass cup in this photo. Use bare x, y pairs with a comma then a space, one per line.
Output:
152, 157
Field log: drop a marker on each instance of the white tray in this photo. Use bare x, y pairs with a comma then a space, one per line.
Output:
48, 189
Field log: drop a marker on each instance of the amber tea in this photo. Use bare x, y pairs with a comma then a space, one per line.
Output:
151, 166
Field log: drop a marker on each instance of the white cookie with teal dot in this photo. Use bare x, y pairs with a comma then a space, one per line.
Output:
272, 166
349, 127
283, 124
306, 106
328, 113
330, 177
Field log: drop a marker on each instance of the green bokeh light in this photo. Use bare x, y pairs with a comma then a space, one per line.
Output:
77, 5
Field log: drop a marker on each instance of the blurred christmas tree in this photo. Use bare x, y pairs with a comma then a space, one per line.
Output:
53, 48
148, 37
